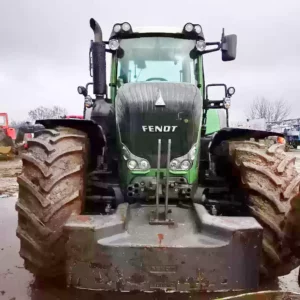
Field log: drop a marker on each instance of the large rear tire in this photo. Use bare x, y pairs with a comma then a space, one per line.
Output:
270, 178
51, 188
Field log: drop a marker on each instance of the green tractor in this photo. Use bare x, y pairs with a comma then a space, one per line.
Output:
153, 190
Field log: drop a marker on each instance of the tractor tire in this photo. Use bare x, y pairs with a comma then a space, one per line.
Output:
51, 188
269, 177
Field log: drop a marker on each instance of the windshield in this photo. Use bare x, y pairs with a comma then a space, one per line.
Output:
156, 59
2, 120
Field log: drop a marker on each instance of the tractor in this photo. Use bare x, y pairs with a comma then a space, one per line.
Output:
7, 137
152, 190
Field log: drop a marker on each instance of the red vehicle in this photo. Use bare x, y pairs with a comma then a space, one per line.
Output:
7, 136
9, 131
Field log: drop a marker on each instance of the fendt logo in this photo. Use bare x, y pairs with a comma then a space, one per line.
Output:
165, 128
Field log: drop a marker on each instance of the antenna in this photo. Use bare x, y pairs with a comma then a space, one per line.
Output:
223, 34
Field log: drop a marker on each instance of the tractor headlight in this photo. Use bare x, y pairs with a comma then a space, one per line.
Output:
117, 28
198, 29
126, 26
185, 165
189, 27
144, 164
231, 91
135, 163
200, 45
132, 164
174, 164
113, 44
185, 162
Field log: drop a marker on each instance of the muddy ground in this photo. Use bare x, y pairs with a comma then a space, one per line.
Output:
18, 284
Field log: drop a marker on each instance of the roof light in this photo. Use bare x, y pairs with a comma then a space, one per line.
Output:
117, 28
198, 29
189, 27
126, 26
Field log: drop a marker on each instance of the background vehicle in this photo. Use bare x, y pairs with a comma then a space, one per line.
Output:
7, 137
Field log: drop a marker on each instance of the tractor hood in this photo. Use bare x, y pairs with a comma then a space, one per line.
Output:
146, 112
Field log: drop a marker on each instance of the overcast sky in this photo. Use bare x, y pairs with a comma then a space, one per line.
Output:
44, 47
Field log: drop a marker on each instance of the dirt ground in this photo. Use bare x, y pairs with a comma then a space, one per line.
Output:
8, 172
18, 284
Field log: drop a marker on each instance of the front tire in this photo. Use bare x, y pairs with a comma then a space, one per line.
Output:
269, 176
51, 188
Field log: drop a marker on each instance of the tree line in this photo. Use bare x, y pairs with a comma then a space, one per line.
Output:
272, 111
40, 113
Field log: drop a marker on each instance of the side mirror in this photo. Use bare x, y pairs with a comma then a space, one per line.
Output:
218, 91
228, 47
222, 98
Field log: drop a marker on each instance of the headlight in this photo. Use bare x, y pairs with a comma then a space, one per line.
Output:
231, 91
135, 163
113, 44
126, 26
185, 165
131, 164
144, 164
174, 164
200, 45
185, 162
117, 28
189, 27
198, 29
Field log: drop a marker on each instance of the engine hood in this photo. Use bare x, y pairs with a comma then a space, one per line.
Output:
146, 112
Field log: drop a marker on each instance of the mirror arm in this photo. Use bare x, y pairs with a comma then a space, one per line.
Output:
213, 44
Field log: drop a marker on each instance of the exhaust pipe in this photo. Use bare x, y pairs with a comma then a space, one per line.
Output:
97, 30
98, 60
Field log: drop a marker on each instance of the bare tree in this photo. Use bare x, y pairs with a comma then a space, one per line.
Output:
18, 124
270, 110
42, 112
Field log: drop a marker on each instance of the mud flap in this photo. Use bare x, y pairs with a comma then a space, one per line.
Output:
199, 252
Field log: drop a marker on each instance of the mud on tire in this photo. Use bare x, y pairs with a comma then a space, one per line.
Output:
272, 182
51, 188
